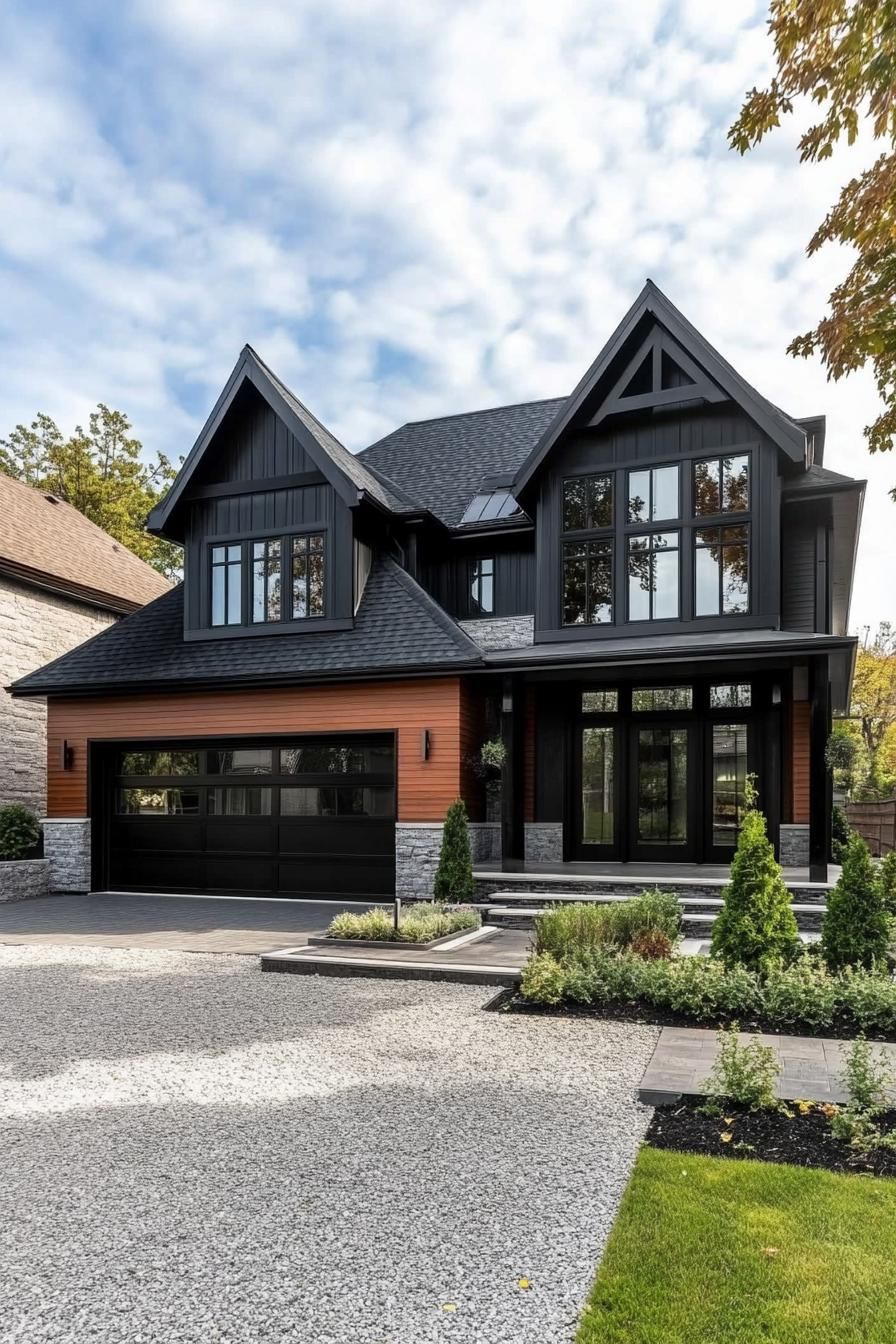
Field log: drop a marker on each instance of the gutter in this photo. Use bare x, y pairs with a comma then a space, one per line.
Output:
51, 583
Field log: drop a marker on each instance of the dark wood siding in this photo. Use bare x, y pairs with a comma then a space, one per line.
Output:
425, 788
446, 575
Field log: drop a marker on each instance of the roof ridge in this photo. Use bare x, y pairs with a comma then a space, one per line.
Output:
459, 415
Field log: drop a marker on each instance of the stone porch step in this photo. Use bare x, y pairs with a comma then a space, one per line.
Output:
518, 910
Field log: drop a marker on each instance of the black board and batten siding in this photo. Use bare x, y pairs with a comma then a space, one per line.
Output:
682, 438
446, 576
262, 484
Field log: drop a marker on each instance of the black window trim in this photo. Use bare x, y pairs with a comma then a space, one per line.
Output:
247, 541
742, 520
658, 524
474, 585
655, 530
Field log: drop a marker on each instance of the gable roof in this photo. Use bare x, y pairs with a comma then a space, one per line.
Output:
346, 473
443, 463
652, 303
48, 543
148, 648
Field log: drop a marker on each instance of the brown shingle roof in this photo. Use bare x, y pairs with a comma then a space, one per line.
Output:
44, 540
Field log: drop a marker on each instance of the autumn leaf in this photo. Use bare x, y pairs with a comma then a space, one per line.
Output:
726, 1137
523, 1283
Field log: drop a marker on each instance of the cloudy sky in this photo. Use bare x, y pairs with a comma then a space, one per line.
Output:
409, 207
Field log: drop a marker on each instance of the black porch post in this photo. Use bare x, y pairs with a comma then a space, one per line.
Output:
819, 783
513, 836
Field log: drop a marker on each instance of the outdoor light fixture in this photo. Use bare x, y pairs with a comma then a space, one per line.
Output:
67, 756
776, 694
507, 703
425, 744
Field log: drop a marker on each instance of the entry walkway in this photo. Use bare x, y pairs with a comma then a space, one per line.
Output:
173, 923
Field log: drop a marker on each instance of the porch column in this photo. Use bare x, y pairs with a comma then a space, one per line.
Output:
819, 780
513, 830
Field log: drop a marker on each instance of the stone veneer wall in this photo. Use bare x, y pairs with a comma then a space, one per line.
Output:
793, 846
67, 847
35, 628
501, 632
22, 879
417, 846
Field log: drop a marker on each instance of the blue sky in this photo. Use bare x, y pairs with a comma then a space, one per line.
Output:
409, 208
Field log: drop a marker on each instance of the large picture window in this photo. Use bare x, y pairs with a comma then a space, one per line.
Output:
653, 576
285, 580
587, 582
722, 571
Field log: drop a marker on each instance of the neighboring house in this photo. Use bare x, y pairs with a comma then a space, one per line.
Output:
643, 587
62, 580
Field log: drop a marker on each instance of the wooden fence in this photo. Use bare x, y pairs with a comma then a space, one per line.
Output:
876, 824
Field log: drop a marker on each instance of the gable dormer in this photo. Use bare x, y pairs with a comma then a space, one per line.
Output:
657, 490
265, 507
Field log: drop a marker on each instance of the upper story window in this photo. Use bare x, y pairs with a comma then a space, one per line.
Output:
722, 571
653, 576
227, 585
266, 580
308, 575
482, 586
588, 561
653, 495
722, 485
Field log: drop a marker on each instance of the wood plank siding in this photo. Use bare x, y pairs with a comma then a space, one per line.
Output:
425, 788
799, 770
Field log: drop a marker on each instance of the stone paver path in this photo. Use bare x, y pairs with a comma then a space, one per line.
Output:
811, 1067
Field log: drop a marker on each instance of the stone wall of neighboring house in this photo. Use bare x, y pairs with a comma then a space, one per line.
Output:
35, 628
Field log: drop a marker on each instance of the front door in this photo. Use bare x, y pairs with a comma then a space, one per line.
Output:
663, 792
596, 791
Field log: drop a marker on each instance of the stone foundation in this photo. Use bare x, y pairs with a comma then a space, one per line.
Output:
793, 846
417, 845
501, 632
544, 842
67, 848
23, 879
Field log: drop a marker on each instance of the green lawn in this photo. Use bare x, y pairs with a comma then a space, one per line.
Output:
709, 1251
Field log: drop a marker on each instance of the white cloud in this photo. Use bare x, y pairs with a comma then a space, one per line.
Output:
477, 189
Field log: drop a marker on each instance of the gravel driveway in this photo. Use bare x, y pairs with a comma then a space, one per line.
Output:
194, 1151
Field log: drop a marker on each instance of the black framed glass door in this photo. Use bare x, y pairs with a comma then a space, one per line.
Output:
596, 791
729, 760
663, 791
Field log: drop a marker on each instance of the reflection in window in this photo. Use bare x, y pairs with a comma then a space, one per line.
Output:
239, 801
266, 580
662, 776
722, 485
344, 800
587, 582
600, 702
158, 763
227, 597
653, 494
587, 503
482, 586
722, 569
240, 761
653, 577
158, 802
650, 698
597, 786
729, 779
343, 759
308, 575
735, 696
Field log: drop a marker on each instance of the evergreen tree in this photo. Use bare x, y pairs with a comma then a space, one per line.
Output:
756, 924
855, 931
454, 875
886, 876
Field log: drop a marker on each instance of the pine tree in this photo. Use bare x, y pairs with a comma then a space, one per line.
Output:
855, 932
454, 875
756, 924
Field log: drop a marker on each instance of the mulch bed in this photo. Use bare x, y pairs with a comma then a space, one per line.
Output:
511, 1001
804, 1140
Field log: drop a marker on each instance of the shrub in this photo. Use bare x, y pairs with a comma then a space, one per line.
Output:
840, 833
572, 930
19, 831
743, 1073
652, 945
454, 875
755, 925
652, 911
804, 994
375, 924
420, 924
855, 931
867, 1079
543, 979
886, 877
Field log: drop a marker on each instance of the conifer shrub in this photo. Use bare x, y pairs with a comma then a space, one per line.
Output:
454, 875
755, 926
886, 877
855, 930
19, 831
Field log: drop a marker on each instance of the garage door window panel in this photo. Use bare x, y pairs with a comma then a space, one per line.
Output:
158, 802
239, 802
341, 801
241, 761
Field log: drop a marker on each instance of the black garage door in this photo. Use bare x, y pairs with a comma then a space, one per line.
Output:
304, 816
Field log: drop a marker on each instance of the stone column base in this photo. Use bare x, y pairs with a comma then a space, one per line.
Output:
793, 845
67, 847
23, 879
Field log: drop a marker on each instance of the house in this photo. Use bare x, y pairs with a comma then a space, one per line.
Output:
62, 580
643, 587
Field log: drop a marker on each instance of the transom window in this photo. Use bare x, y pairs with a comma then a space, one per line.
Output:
722, 485
660, 699
587, 582
653, 494
600, 702
227, 585
737, 695
482, 586
722, 571
653, 576
587, 503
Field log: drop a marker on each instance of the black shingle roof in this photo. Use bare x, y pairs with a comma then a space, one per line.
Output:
398, 626
442, 463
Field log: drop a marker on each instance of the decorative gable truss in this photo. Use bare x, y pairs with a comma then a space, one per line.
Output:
660, 374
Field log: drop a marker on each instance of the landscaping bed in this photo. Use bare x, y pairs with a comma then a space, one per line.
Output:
799, 1134
423, 926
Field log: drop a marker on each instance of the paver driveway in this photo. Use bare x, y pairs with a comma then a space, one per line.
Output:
194, 1151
